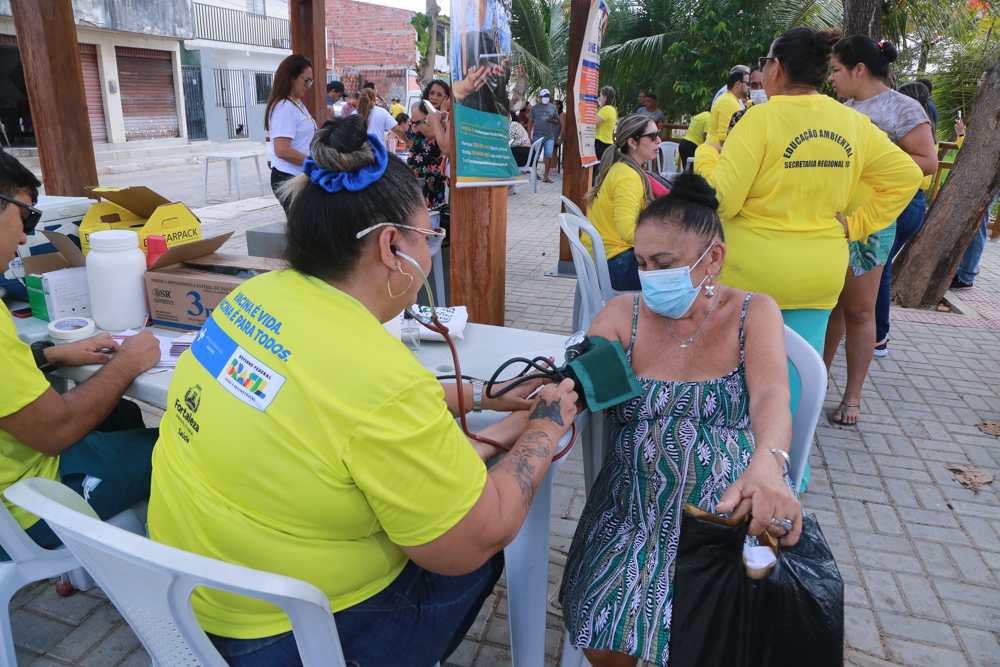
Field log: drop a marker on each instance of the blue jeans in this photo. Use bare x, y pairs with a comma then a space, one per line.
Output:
119, 452
907, 225
969, 267
624, 271
420, 619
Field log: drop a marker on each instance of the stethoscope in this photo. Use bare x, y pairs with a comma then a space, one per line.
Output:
576, 345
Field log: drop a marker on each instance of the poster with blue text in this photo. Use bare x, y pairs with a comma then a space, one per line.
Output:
586, 85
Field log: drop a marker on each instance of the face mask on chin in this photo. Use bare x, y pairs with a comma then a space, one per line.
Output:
758, 96
670, 292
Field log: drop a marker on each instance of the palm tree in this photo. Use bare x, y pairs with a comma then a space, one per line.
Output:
540, 37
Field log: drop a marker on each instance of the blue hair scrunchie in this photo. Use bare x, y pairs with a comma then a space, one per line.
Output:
349, 180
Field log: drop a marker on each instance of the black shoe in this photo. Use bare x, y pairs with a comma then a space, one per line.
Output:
956, 283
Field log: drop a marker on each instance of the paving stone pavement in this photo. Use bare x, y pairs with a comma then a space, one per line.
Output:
920, 555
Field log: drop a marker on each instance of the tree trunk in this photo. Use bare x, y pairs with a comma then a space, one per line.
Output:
924, 268
863, 17
427, 71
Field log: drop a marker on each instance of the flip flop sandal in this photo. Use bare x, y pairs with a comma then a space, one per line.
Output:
843, 413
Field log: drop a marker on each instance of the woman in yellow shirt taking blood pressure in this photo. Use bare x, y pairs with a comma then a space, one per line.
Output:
302, 438
788, 169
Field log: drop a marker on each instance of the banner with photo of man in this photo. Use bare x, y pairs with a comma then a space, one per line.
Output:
480, 70
586, 85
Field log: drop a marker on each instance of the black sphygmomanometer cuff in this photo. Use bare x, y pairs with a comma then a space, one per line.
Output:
603, 374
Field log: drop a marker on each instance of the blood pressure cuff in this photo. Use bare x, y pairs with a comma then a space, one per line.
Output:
603, 375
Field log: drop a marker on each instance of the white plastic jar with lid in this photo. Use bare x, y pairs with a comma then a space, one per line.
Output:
116, 270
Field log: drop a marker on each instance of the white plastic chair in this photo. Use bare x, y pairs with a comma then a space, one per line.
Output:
30, 562
526, 563
571, 207
667, 159
593, 282
151, 583
532, 167
812, 375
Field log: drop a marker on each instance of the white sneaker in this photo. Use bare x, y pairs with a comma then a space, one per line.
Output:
881, 348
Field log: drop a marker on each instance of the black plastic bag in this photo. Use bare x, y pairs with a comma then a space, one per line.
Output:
794, 615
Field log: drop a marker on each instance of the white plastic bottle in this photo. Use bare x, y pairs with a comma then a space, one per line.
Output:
116, 269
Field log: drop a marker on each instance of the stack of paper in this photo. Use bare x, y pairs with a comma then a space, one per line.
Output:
181, 343
168, 356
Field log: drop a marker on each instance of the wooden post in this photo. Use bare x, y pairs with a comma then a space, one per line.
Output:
50, 55
309, 39
478, 247
576, 179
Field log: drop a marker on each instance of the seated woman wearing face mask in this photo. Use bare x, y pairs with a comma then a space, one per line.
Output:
711, 427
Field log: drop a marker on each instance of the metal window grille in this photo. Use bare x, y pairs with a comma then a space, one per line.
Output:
238, 27
194, 103
230, 93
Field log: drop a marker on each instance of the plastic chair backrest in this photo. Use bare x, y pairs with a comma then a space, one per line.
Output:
533, 155
572, 208
586, 274
18, 545
582, 224
151, 583
667, 159
812, 377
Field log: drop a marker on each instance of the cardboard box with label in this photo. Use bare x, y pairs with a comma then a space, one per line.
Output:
188, 282
57, 281
140, 210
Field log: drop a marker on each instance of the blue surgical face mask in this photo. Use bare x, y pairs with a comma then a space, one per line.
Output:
670, 292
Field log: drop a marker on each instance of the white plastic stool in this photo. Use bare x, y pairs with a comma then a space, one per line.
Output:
232, 161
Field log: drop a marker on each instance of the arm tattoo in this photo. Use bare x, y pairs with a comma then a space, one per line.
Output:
519, 462
546, 410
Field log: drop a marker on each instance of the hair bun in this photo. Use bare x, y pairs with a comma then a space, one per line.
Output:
695, 189
822, 43
888, 49
341, 144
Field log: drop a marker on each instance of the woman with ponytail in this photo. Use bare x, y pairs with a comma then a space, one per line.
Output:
861, 70
789, 169
380, 121
324, 451
621, 190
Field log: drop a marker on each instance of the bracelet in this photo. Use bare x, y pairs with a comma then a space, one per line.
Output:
784, 454
477, 395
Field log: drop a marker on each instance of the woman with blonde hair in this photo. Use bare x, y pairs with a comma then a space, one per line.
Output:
380, 121
621, 191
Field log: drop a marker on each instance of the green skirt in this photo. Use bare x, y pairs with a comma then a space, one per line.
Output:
873, 251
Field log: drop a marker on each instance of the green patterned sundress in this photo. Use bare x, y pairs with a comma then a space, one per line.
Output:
677, 443
873, 251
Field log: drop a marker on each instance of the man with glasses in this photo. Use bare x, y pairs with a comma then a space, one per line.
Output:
737, 89
88, 438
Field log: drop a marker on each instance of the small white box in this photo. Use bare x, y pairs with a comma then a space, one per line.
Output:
66, 293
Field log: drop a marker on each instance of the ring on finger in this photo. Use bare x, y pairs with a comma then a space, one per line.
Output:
778, 524
787, 525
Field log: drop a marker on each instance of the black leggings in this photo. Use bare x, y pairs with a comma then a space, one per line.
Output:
686, 149
277, 178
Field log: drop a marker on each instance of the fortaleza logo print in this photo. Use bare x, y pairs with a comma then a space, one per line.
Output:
250, 380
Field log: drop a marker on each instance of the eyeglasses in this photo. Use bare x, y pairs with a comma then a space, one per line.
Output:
432, 234
763, 61
34, 215
308, 81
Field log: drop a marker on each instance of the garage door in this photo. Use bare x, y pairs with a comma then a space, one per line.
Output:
92, 88
146, 80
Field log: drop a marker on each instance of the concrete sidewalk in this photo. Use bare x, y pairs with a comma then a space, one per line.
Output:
919, 554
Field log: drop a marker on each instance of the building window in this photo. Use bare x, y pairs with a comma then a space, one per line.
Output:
257, 7
263, 82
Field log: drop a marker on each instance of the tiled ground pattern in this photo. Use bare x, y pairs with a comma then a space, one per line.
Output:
919, 554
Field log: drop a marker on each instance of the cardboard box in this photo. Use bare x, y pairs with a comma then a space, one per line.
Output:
188, 282
140, 210
57, 281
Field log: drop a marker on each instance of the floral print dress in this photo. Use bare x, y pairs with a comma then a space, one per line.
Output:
426, 160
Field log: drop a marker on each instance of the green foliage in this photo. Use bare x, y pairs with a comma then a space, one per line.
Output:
540, 37
698, 64
422, 23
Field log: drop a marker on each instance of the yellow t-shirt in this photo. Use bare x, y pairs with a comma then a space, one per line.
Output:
301, 438
787, 169
722, 112
22, 384
395, 110
616, 210
605, 131
698, 128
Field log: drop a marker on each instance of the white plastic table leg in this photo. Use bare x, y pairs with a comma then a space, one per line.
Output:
229, 175
236, 173
207, 160
260, 181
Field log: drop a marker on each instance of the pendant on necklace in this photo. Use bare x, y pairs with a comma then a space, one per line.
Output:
683, 345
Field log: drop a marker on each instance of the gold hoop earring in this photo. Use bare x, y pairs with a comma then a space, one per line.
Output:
710, 288
389, 286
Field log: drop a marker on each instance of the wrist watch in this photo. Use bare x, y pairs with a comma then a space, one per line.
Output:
477, 395
38, 351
